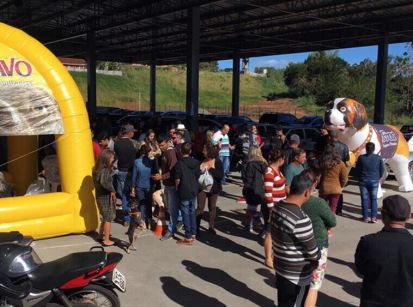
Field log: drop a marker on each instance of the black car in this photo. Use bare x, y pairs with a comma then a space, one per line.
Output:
407, 131
277, 118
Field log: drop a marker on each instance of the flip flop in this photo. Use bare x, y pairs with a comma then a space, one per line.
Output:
107, 245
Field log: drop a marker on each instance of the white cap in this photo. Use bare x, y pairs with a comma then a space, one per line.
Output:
180, 127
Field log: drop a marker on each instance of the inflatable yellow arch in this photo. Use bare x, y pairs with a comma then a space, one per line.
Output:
73, 210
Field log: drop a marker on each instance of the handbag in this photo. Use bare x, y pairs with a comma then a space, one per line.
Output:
206, 181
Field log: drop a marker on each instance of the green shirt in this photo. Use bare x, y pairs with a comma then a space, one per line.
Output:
321, 217
291, 171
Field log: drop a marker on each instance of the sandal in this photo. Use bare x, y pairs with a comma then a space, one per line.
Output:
269, 264
107, 245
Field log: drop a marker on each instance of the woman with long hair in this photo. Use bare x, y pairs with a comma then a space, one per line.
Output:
334, 176
275, 191
105, 193
253, 179
150, 140
215, 168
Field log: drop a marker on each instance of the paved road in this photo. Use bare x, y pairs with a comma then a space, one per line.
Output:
227, 269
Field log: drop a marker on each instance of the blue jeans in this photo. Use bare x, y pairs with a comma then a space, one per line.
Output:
225, 162
171, 201
144, 198
123, 189
188, 214
368, 189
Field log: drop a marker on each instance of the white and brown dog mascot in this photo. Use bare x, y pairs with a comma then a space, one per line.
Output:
350, 118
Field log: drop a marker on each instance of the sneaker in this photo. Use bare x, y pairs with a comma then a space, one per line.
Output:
365, 220
193, 238
184, 242
212, 231
179, 226
374, 220
167, 236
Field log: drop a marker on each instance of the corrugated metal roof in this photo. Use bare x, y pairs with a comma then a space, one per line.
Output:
139, 30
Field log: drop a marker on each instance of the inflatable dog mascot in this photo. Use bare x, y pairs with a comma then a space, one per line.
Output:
350, 118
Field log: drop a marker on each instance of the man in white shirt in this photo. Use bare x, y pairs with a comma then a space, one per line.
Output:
221, 139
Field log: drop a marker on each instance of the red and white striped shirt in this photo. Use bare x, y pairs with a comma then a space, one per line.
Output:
274, 186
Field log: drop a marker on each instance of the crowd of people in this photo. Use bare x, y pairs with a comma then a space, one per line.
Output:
278, 183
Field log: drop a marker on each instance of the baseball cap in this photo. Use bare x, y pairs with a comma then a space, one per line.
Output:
396, 208
180, 127
295, 138
128, 128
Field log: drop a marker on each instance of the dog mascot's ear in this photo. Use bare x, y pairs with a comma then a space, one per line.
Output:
358, 111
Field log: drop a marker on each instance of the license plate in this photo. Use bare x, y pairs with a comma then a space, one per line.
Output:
119, 280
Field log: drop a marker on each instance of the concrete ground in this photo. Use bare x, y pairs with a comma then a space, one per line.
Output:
227, 269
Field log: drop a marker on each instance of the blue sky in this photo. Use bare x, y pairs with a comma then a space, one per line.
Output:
351, 55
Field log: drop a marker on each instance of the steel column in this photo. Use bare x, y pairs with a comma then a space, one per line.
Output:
381, 81
235, 84
152, 88
192, 65
91, 74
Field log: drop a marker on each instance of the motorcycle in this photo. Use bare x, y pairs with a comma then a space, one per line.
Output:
78, 279
15, 237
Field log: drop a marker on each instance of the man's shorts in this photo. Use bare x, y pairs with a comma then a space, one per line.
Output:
320, 271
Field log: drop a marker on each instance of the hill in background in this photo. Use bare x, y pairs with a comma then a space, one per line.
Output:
215, 91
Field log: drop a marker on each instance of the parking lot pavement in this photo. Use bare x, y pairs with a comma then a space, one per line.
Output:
226, 269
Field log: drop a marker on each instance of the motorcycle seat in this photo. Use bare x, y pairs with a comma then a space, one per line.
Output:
54, 274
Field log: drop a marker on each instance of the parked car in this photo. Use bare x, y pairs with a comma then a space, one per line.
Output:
309, 137
105, 110
407, 131
236, 121
312, 121
265, 130
277, 118
174, 113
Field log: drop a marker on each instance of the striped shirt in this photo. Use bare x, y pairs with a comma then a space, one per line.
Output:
219, 136
293, 243
274, 186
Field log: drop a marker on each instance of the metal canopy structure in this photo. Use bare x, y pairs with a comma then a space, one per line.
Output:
156, 31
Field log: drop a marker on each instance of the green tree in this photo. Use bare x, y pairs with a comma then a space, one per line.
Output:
209, 66
296, 78
327, 76
362, 82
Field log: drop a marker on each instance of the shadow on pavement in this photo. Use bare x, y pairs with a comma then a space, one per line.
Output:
351, 265
227, 282
185, 296
269, 276
226, 224
229, 196
227, 245
352, 288
326, 300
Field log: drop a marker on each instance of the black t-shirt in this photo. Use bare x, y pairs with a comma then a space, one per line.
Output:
126, 154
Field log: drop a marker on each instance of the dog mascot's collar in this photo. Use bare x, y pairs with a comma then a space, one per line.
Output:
357, 151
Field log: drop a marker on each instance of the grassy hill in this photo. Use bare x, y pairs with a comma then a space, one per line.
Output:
215, 88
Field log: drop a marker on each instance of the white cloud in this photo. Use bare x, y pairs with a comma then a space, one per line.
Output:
273, 63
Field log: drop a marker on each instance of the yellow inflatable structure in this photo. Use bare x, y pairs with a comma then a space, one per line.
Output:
47, 215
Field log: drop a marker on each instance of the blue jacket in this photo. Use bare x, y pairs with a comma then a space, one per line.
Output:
369, 167
143, 169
